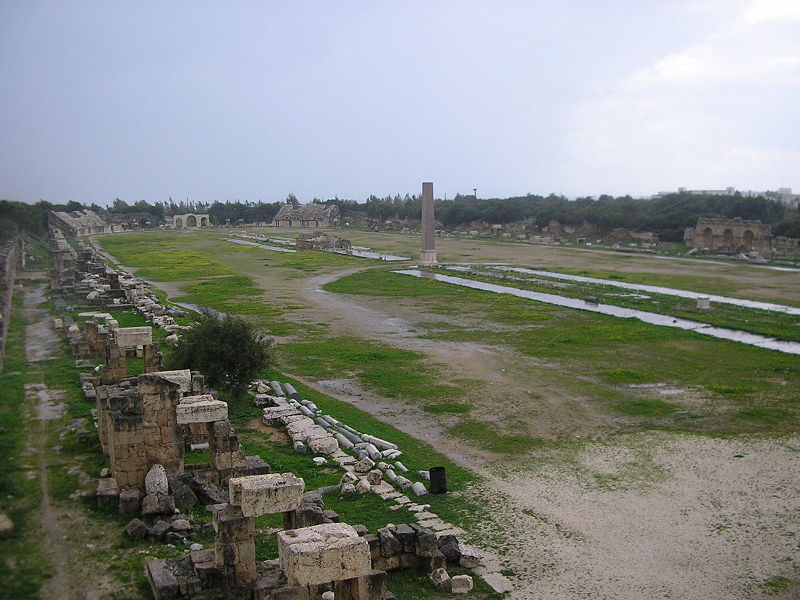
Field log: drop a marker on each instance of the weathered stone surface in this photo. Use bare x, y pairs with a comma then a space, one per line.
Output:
323, 553
266, 494
461, 584
136, 530
426, 543
470, 558
184, 497
498, 582
206, 492
158, 504
326, 444
390, 545
374, 476
159, 530
129, 337
363, 486
130, 501
364, 465
371, 586
418, 488
440, 579
290, 592
406, 535
156, 482
257, 466
107, 492
201, 409
163, 583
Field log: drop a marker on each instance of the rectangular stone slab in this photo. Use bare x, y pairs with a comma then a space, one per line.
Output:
201, 409
128, 337
266, 494
323, 553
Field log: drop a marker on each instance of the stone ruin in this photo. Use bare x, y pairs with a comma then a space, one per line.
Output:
322, 241
312, 559
143, 421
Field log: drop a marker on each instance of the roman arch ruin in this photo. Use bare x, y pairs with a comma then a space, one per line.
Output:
730, 236
190, 221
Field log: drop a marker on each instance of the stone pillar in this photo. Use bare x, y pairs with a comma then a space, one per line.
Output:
234, 549
427, 256
152, 357
160, 393
116, 364
225, 455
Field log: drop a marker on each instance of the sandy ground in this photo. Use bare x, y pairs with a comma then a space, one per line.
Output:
66, 534
653, 516
649, 515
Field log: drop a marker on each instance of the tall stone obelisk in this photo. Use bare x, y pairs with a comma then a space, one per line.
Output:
427, 256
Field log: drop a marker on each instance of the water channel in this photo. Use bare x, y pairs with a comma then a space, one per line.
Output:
655, 289
734, 335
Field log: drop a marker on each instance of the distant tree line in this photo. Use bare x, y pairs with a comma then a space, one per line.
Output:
667, 215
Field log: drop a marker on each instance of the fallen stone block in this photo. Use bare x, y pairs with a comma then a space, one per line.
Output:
371, 586
162, 581
206, 492
201, 409
461, 584
364, 465
323, 553
419, 488
130, 501
107, 493
156, 482
266, 494
158, 504
440, 579
498, 582
136, 530
130, 337
470, 558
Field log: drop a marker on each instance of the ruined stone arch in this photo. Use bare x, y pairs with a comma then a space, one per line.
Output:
178, 223
191, 221
727, 239
203, 221
708, 237
748, 238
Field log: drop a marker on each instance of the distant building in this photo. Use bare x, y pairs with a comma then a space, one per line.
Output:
307, 215
730, 236
80, 222
189, 221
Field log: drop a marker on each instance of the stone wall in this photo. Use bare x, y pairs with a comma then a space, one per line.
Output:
9, 255
730, 236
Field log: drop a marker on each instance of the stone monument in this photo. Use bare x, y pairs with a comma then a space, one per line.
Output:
427, 256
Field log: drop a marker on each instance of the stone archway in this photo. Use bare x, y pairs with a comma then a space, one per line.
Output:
748, 238
727, 239
191, 221
178, 223
203, 221
708, 237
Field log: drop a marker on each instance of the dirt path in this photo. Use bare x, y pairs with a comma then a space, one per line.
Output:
65, 534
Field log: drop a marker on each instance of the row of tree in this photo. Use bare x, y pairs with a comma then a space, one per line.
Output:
666, 215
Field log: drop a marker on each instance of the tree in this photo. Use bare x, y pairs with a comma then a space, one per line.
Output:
226, 349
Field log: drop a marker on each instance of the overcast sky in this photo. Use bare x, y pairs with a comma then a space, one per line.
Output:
254, 100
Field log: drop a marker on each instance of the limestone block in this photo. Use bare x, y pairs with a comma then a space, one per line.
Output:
201, 409
130, 337
470, 558
275, 414
156, 482
440, 579
461, 584
157, 504
266, 494
323, 445
136, 530
374, 477
323, 553
107, 492
419, 488
363, 486
364, 465
130, 501
367, 587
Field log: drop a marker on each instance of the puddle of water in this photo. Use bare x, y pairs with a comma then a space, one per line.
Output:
744, 337
368, 254
655, 289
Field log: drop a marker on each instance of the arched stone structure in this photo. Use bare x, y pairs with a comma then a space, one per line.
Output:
190, 221
730, 236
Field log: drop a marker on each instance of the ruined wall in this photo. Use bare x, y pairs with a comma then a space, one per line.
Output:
732, 236
9, 253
